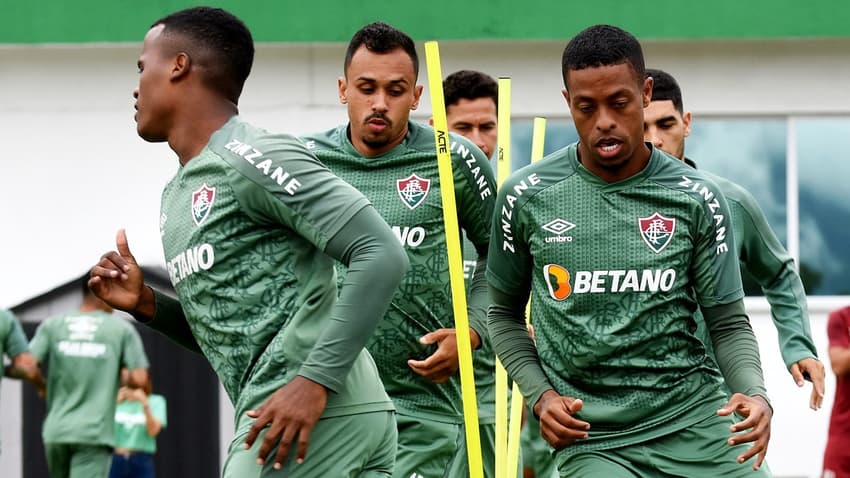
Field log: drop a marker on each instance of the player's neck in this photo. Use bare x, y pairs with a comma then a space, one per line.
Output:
191, 134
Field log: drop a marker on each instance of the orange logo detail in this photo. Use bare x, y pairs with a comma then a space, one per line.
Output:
558, 280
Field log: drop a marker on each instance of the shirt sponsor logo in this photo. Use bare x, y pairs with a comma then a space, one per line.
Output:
656, 231
413, 190
129, 420
484, 189
558, 227
561, 283
202, 203
710, 199
194, 259
409, 236
254, 157
507, 212
82, 349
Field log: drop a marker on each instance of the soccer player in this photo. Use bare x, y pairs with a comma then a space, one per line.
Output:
251, 226
472, 102
836, 456
618, 244
393, 161
84, 352
666, 125
13, 344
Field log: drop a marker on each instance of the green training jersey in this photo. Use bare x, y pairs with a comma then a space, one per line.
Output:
615, 273
404, 186
483, 359
84, 353
764, 257
13, 342
244, 227
131, 431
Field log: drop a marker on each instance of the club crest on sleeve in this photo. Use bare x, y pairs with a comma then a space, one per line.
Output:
656, 231
202, 203
413, 190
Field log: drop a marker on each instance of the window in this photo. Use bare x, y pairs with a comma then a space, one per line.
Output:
823, 171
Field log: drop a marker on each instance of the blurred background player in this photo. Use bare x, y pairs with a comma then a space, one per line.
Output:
621, 384
83, 352
393, 161
253, 225
836, 457
13, 345
139, 418
666, 125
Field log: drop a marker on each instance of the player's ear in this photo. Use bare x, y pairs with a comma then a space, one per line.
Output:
431, 121
646, 93
180, 66
686, 118
566, 94
417, 93
342, 86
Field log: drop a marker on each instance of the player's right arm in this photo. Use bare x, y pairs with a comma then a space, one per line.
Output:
509, 265
119, 281
23, 364
769, 263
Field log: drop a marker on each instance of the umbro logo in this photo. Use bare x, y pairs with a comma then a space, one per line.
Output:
558, 227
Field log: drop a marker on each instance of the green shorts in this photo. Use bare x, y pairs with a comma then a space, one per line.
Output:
536, 452
427, 448
73, 460
699, 450
361, 446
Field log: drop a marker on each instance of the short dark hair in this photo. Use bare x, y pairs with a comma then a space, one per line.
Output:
217, 40
602, 45
83, 283
470, 85
378, 37
665, 87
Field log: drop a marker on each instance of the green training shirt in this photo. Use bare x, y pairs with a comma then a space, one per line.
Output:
13, 342
246, 227
483, 359
404, 186
131, 431
84, 353
615, 272
764, 257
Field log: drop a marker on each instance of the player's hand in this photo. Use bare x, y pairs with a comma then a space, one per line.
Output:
757, 414
558, 425
117, 279
443, 363
814, 369
289, 413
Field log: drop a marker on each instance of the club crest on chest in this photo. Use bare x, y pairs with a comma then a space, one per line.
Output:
413, 190
202, 203
656, 231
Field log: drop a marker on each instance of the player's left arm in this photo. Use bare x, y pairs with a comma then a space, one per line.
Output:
773, 268
717, 284
475, 194
338, 220
474, 198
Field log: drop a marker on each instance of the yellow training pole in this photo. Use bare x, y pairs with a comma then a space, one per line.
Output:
444, 161
538, 136
503, 170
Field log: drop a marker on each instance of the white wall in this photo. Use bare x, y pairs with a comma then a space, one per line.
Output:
73, 170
